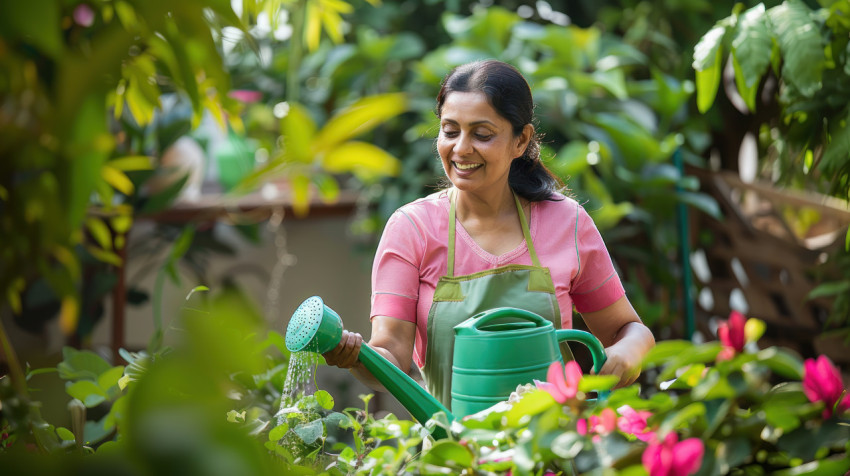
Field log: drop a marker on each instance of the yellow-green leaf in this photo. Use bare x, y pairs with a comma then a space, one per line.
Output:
298, 130
313, 31
359, 118
132, 162
364, 160
105, 256
300, 195
100, 232
117, 179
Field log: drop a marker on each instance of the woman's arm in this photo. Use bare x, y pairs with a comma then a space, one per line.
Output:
624, 336
392, 338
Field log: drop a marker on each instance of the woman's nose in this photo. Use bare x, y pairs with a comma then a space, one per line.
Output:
463, 146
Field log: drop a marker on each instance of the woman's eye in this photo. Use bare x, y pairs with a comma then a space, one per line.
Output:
450, 133
483, 136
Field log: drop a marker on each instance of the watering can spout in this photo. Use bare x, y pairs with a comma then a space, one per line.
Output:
314, 327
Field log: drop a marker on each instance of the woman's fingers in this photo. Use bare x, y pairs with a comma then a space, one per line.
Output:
345, 354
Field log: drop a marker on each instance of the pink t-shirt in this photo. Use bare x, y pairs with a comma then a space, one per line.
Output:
412, 254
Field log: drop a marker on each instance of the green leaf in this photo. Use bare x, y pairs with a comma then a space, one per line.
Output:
298, 130
529, 405
277, 433
752, 45
701, 201
359, 118
449, 454
665, 350
708, 55
324, 399
801, 45
681, 419
131, 163
782, 362
108, 379
87, 392
100, 232
593, 383
365, 160
699, 354
65, 434
829, 467
832, 288
309, 432
197, 289
81, 364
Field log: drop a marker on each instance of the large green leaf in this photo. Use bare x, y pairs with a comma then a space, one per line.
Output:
801, 45
87, 392
752, 45
448, 453
359, 118
81, 364
708, 55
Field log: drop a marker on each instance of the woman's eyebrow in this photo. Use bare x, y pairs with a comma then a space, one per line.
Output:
473, 123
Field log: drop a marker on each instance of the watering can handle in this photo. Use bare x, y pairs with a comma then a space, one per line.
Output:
597, 351
485, 317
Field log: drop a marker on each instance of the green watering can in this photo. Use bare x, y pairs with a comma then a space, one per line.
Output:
493, 355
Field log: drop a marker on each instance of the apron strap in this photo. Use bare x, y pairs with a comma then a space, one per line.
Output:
526, 233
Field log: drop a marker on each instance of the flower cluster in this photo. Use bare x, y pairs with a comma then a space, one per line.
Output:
663, 456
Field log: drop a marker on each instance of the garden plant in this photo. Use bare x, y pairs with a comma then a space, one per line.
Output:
94, 92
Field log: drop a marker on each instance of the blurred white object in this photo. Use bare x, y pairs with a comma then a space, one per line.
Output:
184, 157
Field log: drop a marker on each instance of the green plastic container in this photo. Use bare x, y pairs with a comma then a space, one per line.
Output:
492, 357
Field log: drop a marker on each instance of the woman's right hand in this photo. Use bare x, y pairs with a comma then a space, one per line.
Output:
345, 354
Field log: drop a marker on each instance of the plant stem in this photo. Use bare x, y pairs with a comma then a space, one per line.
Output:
16, 373
297, 13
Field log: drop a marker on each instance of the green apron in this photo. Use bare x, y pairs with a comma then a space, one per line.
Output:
457, 298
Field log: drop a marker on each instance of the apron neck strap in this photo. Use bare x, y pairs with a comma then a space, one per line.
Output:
526, 233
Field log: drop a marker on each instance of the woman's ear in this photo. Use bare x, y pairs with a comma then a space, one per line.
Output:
523, 139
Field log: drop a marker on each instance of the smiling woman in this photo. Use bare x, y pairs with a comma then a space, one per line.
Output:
486, 241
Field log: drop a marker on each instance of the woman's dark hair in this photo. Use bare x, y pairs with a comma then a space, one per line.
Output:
510, 95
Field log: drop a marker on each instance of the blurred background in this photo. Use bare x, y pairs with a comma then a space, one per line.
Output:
155, 151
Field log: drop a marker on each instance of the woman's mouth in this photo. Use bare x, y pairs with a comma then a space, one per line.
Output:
461, 166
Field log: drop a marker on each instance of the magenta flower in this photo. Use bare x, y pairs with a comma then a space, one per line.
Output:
562, 381
822, 383
633, 422
672, 457
83, 15
246, 96
731, 334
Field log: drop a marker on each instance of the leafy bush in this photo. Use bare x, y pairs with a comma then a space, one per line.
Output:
212, 405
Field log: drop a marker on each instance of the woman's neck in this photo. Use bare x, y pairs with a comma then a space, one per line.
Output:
492, 206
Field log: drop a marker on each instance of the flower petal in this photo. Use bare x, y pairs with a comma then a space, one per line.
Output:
687, 456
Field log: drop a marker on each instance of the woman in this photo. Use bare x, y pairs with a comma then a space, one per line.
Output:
485, 241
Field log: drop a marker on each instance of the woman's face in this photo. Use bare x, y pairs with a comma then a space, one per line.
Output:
477, 144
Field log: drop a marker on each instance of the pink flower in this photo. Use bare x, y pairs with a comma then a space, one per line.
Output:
731, 334
562, 381
83, 15
633, 422
597, 425
245, 95
822, 383
673, 458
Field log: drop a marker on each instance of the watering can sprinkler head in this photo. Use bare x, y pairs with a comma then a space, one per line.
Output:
314, 327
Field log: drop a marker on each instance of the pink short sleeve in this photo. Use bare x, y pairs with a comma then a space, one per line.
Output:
597, 284
395, 271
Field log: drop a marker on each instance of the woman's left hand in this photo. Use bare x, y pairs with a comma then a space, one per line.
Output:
622, 362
